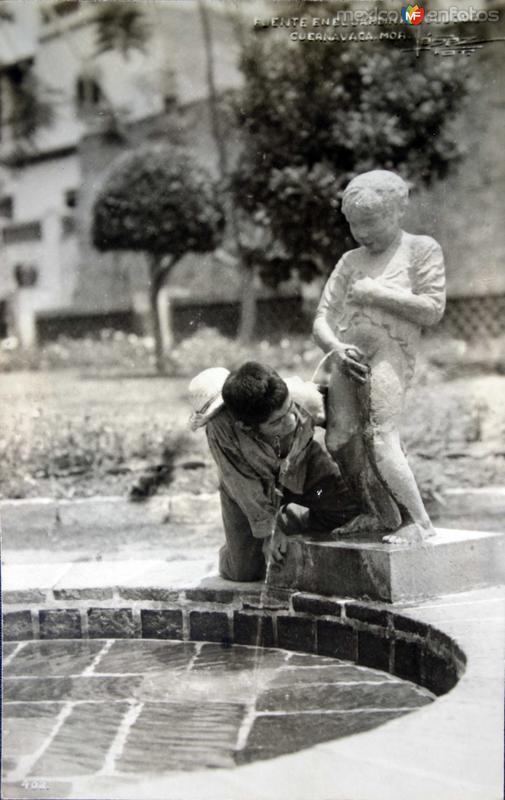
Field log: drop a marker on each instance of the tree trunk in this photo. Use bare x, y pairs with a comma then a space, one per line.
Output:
248, 304
215, 120
160, 319
165, 317
247, 298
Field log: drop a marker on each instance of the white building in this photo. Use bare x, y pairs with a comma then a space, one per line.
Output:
45, 188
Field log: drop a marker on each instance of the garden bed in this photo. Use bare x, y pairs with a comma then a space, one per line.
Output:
69, 434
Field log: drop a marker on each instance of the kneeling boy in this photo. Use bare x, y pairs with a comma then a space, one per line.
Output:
263, 446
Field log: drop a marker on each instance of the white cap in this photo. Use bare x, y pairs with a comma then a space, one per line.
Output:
205, 395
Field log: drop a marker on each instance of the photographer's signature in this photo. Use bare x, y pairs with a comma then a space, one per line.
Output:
451, 44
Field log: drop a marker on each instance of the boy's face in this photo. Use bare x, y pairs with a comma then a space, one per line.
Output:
375, 230
281, 421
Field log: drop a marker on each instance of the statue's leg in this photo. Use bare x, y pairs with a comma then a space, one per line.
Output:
380, 499
345, 443
343, 422
386, 394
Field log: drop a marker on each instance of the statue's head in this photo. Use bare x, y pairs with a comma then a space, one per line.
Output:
373, 204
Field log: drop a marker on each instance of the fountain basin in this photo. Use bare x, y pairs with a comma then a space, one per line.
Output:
82, 602
451, 646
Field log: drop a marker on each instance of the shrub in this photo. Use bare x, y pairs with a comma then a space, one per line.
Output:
69, 453
207, 347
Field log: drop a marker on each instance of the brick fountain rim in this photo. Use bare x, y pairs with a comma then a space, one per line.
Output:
369, 634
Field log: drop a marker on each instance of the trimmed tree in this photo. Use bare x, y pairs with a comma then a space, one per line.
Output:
315, 115
157, 200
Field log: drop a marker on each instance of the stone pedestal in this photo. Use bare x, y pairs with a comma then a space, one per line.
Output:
452, 561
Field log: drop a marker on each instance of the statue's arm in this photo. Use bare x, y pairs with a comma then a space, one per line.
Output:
425, 304
415, 308
329, 309
324, 336
326, 322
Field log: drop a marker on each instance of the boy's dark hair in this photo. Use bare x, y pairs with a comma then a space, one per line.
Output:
253, 391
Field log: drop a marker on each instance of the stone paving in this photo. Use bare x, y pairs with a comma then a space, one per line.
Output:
287, 747
450, 749
113, 708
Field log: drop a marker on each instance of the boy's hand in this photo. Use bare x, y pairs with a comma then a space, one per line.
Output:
274, 547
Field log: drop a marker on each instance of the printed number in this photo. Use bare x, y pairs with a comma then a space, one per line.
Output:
35, 785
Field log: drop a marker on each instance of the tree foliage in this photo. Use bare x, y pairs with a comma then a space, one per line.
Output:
157, 200
313, 115
122, 27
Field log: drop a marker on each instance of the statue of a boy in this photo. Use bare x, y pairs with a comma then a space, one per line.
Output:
371, 312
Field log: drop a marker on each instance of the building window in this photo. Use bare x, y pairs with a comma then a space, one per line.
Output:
88, 93
6, 207
26, 275
22, 232
68, 225
71, 198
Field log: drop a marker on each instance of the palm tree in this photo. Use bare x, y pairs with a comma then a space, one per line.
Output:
28, 103
121, 27
243, 260
32, 105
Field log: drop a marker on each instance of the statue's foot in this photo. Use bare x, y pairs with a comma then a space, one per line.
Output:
414, 533
360, 525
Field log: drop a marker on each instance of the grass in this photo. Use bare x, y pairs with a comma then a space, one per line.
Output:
65, 435
70, 433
